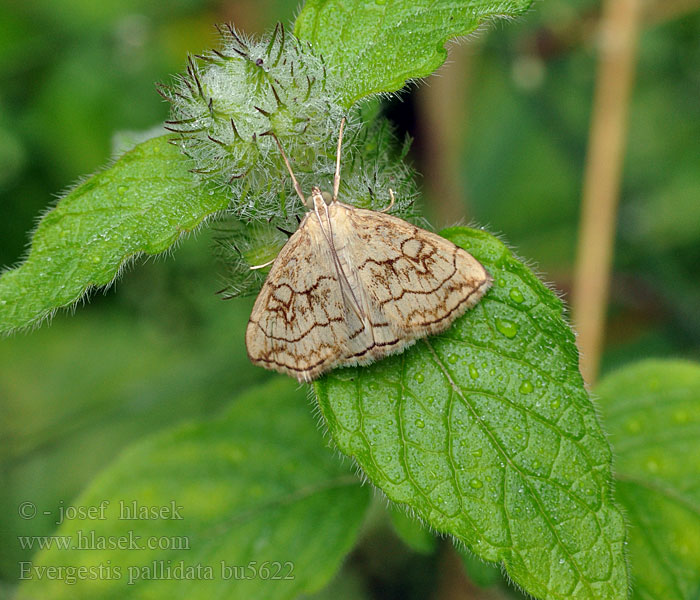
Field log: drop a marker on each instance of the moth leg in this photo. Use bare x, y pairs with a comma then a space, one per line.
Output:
388, 208
267, 264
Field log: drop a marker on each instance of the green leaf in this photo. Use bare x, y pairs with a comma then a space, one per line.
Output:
652, 411
141, 204
488, 434
377, 46
258, 491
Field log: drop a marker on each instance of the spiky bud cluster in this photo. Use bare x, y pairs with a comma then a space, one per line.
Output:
226, 109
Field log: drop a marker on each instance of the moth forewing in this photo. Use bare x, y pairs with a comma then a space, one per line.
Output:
416, 280
353, 286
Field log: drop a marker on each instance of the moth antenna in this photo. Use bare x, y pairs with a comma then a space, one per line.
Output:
297, 187
336, 177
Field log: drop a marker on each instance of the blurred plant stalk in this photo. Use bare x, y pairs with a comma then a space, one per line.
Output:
618, 38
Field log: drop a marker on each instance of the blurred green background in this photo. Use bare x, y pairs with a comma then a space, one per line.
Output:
509, 117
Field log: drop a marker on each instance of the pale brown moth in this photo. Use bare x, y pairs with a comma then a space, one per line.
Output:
352, 286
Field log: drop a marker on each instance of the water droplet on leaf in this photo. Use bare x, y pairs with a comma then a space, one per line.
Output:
516, 295
526, 387
507, 327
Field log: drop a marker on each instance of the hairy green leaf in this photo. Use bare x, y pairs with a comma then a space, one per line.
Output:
652, 411
488, 434
266, 512
141, 204
374, 47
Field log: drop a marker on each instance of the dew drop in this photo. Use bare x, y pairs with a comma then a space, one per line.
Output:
507, 327
536, 464
430, 399
501, 282
473, 373
476, 452
96, 259
452, 359
492, 372
554, 404
420, 423
516, 295
476, 483
122, 189
526, 387
419, 377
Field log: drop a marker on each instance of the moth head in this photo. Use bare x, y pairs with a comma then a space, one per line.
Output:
318, 198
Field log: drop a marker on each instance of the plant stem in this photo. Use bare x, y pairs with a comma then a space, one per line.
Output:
618, 45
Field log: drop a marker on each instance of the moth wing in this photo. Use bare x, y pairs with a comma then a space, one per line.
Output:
417, 281
299, 324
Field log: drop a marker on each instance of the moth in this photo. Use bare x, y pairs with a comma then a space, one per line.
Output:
352, 286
